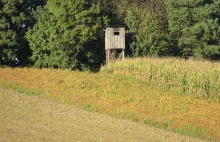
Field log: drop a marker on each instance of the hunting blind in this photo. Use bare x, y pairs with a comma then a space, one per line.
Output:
114, 43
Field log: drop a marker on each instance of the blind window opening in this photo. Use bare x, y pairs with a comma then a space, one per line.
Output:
116, 33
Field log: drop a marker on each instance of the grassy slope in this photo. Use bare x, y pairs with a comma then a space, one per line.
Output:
123, 96
31, 119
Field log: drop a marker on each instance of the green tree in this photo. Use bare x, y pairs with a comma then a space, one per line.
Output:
194, 25
109, 10
15, 18
67, 34
147, 21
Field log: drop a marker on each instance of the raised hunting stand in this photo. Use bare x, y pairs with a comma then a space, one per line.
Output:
114, 43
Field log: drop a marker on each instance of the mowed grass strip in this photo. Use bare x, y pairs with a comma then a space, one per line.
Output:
121, 96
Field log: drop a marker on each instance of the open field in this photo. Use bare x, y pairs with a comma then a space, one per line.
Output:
124, 96
31, 118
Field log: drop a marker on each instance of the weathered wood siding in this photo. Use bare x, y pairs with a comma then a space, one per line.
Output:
115, 38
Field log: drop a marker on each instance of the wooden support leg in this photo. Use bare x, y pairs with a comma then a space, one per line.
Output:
107, 56
123, 54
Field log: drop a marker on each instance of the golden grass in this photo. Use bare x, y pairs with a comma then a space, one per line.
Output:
123, 96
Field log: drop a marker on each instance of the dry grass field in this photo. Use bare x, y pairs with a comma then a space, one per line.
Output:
31, 118
151, 96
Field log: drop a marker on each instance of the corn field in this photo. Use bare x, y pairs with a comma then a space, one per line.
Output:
197, 78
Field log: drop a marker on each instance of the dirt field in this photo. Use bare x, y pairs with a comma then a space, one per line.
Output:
31, 118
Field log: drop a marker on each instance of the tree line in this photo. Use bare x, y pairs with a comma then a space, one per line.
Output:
70, 33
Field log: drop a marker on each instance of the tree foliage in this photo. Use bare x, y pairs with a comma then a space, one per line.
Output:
67, 34
146, 19
194, 24
70, 33
15, 18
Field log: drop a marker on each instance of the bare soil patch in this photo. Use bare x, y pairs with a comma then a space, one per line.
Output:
32, 118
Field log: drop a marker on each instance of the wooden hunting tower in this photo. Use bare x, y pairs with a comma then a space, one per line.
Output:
114, 42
